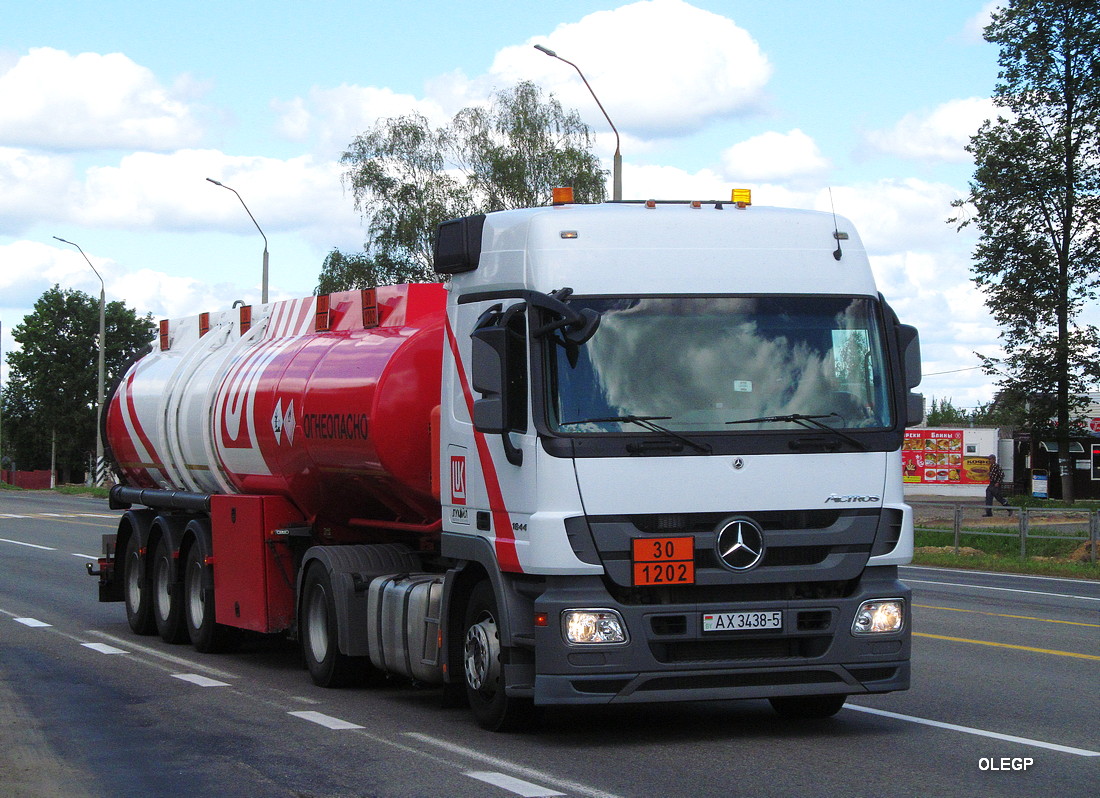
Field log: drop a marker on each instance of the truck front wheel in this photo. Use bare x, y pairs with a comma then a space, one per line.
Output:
483, 660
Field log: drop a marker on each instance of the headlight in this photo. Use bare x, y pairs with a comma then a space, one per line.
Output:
879, 616
593, 626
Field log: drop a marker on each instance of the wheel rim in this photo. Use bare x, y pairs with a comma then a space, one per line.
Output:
482, 654
196, 609
133, 582
163, 598
317, 622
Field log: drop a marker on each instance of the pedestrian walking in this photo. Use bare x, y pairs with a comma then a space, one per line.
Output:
995, 488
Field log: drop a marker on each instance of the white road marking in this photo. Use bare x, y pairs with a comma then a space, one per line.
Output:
956, 572
152, 652
327, 721
201, 681
103, 648
979, 732
565, 784
1002, 589
86, 556
28, 545
512, 784
13, 515
32, 622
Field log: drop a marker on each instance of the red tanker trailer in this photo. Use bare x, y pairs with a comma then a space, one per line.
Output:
669, 439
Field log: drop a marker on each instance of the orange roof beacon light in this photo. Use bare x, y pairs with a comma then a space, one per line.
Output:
742, 197
563, 195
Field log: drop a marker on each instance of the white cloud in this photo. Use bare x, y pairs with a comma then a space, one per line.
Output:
939, 135
333, 117
774, 156
627, 56
169, 192
56, 101
972, 32
33, 187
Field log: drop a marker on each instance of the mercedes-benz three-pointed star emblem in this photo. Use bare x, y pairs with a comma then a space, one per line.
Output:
740, 544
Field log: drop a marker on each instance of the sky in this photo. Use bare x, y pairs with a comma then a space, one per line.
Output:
113, 113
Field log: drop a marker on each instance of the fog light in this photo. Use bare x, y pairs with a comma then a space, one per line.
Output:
593, 626
879, 616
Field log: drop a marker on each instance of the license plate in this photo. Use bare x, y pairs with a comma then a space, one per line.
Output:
663, 561
742, 621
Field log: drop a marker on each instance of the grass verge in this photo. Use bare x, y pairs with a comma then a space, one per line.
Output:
1001, 553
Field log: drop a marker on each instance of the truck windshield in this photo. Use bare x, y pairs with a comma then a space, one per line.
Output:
698, 363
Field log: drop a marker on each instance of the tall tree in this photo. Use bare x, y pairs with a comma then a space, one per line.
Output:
343, 271
53, 377
407, 176
1036, 200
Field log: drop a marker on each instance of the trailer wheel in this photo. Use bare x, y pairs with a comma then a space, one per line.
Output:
483, 661
207, 636
808, 707
167, 603
138, 594
328, 667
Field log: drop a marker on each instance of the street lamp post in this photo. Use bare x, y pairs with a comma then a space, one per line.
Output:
617, 171
263, 285
99, 464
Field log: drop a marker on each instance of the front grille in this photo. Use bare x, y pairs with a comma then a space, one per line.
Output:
800, 546
743, 649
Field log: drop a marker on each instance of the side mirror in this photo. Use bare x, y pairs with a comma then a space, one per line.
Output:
487, 366
914, 411
909, 344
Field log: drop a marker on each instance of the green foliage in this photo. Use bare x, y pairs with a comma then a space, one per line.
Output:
407, 176
344, 271
54, 376
1036, 201
945, 414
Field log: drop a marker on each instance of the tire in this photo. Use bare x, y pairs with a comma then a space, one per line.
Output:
197, 597
328, 667
167, 601
483, 667
808, 707
136, 590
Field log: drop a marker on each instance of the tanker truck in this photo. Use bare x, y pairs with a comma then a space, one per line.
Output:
621, 453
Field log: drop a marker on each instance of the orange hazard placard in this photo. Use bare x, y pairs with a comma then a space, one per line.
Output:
663, 561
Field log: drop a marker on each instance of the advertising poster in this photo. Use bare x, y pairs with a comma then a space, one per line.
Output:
935, 457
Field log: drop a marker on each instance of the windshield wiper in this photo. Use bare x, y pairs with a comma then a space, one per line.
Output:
809, 422
645, 422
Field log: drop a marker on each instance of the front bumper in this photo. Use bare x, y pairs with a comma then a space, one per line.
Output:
669, 658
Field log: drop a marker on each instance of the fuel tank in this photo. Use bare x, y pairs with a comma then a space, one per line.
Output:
325, 400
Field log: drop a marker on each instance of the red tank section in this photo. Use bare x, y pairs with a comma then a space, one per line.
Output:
324, 407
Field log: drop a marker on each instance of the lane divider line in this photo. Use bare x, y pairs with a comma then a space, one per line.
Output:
1008, 645
569, 786
197, 679
103, 648
327, 721
510, 783
28, 545
1004, 615
1065, 749
1002, 589
34, 623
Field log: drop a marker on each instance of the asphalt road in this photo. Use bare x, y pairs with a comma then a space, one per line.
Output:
1004, 702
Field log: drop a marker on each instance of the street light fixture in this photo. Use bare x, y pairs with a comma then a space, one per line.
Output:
617, 171
263, 285
100, 466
